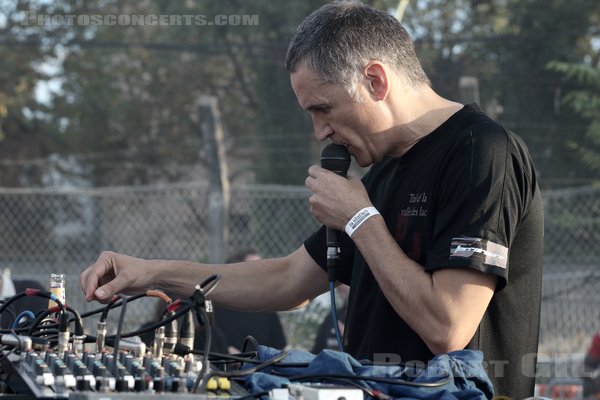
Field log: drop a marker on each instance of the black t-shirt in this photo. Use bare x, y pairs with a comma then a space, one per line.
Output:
464, 196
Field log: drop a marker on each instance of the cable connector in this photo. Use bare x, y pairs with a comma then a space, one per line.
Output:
78, 344
63, 333
100, 336
181, 349
198, 295
171, 333
19, 342
159, 342
187, 332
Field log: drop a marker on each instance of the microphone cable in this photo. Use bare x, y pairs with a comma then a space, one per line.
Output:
335, 158
336, 325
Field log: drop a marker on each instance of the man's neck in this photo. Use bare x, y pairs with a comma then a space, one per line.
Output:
419, 115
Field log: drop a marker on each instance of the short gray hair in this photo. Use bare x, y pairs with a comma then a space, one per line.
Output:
340, 38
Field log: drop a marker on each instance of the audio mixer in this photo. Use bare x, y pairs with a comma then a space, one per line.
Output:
49, 375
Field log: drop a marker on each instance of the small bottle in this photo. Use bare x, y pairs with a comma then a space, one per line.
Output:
57, 287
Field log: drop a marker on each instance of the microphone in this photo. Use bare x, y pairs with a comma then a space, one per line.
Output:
335, 158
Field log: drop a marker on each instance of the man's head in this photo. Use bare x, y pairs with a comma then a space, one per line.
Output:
339, 39
245, 254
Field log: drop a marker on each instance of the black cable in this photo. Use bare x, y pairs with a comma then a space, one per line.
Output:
379, 379
336, 325
213, 281
33, 292
113, 305
207, 343
77, 319
41, 316
107, 307
220, 358
11, 311
250, 339
153, 326
118, 334
248, 371
215, 277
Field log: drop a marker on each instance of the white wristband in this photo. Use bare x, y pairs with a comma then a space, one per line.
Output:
357, 220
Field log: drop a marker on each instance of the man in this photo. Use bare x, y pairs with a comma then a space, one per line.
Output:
591, 365
458, 201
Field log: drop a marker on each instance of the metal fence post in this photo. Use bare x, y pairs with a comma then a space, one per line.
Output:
219, 188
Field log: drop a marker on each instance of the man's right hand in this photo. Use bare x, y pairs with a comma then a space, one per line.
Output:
114, 273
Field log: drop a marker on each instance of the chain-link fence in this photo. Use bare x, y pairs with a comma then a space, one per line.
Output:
44, 231
571, 286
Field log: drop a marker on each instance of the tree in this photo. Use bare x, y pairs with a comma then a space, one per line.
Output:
27, 136
585, 101
128, 99
506, 45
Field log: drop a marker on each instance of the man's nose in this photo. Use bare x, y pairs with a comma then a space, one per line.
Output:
322, 130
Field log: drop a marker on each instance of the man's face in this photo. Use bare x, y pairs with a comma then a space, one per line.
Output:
337, 116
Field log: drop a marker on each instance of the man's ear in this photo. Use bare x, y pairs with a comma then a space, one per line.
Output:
377, 80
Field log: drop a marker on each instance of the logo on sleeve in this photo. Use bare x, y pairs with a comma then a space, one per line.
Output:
481, 250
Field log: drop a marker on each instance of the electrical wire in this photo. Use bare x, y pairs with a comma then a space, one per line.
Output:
186, 307
220, 358
33, 292
213, 281
49, 332
112, 305
25, 313
77, 319
379, 379
207, 342
248, 371
250, 339
118, 334
160, 294
336, 325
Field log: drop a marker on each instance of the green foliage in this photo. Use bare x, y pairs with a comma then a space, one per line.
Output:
24, 130
125, 97
506, 45
585, 101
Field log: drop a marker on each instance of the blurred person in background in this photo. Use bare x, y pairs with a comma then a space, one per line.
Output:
591, 366
265, 327
448, 251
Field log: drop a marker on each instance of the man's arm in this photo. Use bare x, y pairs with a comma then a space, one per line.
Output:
444, 307
260, 285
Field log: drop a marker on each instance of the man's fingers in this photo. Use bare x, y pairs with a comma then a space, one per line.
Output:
106, 292
88, 283
97, 274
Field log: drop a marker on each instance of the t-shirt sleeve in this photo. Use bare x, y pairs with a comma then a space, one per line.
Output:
484, 193
316, 246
